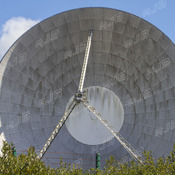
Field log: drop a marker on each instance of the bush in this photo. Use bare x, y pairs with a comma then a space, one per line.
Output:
30, 165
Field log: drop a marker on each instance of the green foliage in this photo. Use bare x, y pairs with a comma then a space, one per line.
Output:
149, 167
30, 165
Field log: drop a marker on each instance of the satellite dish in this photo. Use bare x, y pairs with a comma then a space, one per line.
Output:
130, 66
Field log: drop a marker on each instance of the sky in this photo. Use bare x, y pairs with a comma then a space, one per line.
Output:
16, 17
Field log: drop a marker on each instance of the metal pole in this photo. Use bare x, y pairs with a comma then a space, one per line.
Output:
14, 152
98, 161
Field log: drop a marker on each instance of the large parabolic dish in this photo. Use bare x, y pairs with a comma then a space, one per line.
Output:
130, 79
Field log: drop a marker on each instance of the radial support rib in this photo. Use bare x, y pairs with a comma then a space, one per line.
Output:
116, 134
57, 129
86, 56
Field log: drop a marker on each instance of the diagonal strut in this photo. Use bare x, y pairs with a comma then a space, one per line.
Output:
57, 129
116, 134
86, 56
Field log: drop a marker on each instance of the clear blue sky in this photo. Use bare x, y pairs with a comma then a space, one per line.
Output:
160, 13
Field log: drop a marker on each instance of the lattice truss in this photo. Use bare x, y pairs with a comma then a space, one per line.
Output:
80, 97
